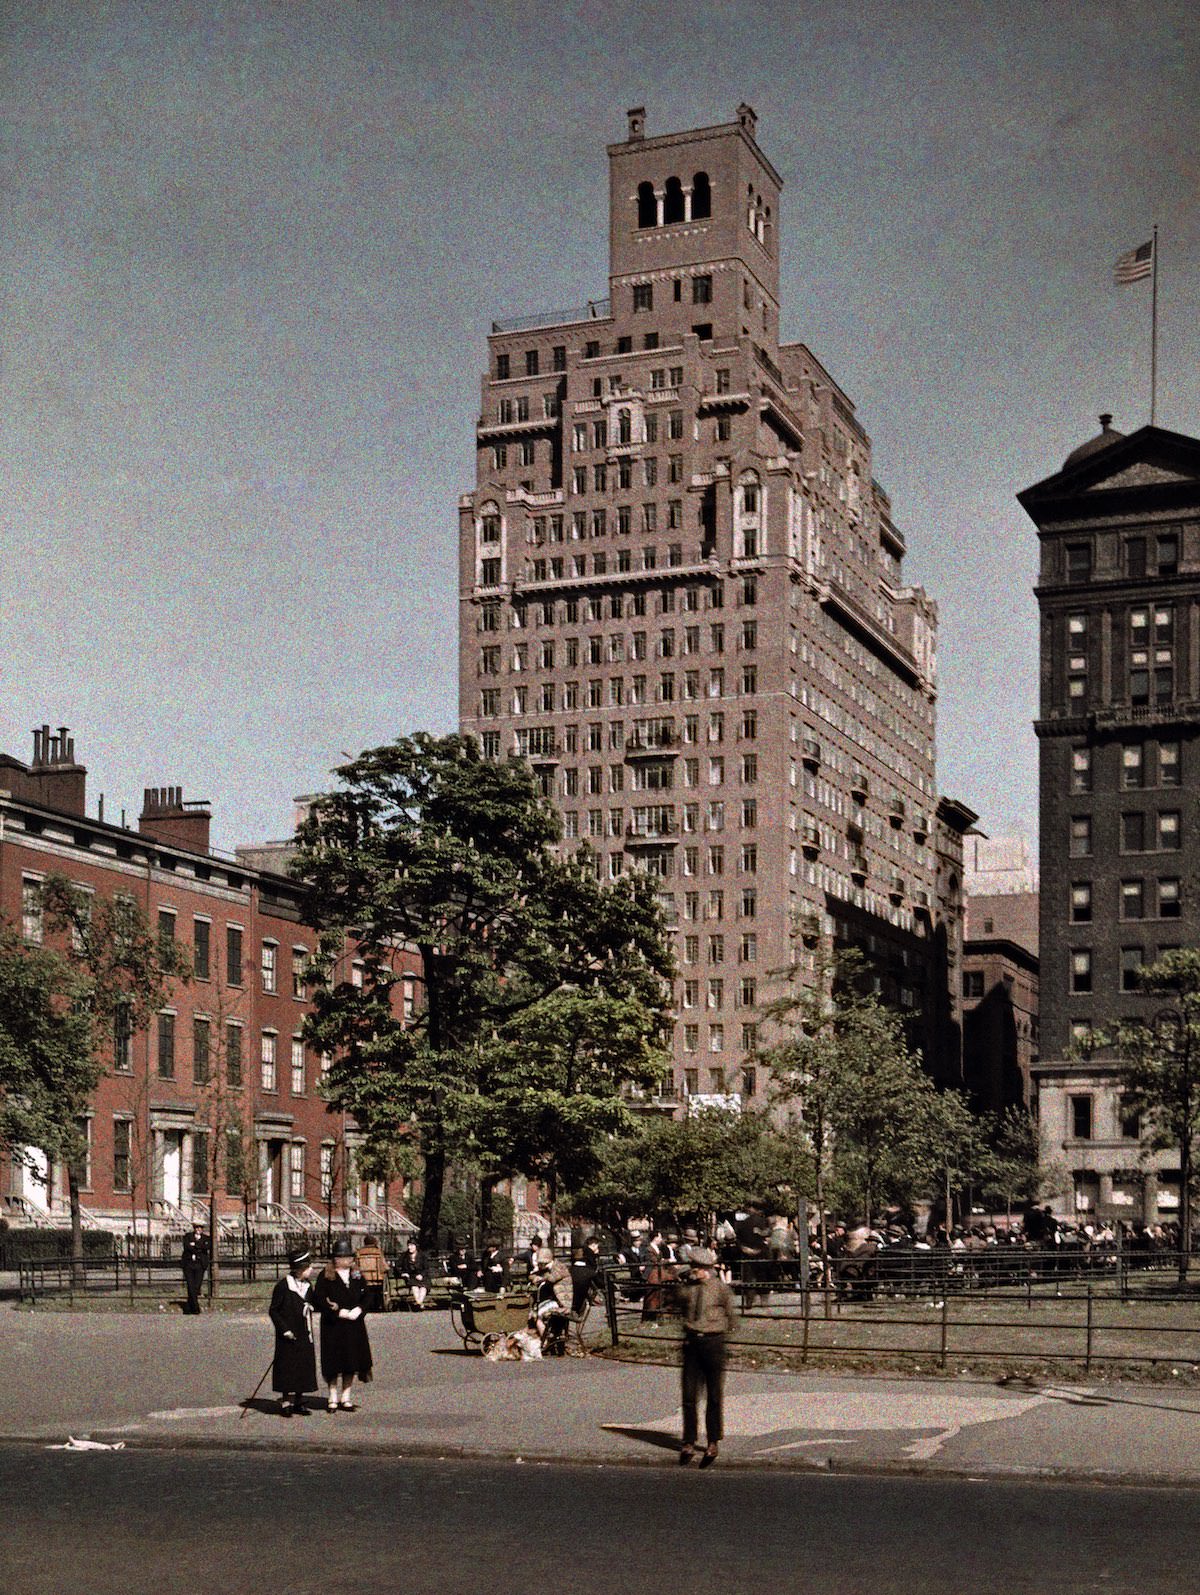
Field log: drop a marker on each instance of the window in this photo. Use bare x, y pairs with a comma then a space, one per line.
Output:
748, 948
1135, 556
1081, 970
1132, 766
972, 984
233, 955
122, 1039
166, 930
233, 1054
1169, 903
1133, 833
558, 357
1079, 562
299, 973
122, 1143
269, 1044
201, 1050
166, 1046
1130, 1120
1081, 1118
202, 949
643, 296
270, 965
296, 1172
1133, 900
675, 424
716, 1038
1081, 903
1132, 959
503, 366
1081, 769
531, 362
1168, 764
1168, 831
298, 1068
702, 290
1166, 553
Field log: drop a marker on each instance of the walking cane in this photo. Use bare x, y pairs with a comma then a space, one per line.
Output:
249, 1402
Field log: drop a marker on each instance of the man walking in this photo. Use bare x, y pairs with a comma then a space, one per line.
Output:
707, 1312
195, 1264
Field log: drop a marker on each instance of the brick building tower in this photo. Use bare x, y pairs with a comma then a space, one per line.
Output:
681, 599
1119, 754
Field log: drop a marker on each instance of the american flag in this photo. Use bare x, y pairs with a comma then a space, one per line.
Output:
1136, 263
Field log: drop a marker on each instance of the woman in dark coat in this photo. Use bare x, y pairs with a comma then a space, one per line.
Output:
294, 1371
341, 1295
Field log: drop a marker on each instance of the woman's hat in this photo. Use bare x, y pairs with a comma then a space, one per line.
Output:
298, 1256
702, 1257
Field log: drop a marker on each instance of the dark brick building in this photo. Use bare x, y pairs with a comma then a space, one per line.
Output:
682, 599
1119, 762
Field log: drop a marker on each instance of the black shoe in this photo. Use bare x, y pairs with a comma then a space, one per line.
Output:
286, 1409
302, 1411
709, 1457
686, 1453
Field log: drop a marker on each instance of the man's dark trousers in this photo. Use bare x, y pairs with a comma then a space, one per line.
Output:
703, 1364
193, 1278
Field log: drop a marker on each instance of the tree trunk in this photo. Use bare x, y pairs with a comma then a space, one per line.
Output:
76, 1224
431, 1198
487, 1190
1185, 1208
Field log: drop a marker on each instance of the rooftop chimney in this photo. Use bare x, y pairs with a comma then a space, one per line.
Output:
167, 818
53, 779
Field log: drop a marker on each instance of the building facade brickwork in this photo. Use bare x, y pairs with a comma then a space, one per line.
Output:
1119, 762
225, 1055
682, 599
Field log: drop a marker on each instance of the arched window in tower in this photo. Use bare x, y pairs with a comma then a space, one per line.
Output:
647, 208
672, 201
765, 226
624, 427
701, 196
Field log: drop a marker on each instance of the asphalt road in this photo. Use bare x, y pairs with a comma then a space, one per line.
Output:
134, 1522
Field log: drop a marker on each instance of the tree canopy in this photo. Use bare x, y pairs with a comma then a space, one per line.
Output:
1162, 1058
544, 989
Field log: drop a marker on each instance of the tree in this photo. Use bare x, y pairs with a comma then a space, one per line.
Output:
1008, 1169
428, 846
114, 971
712, 1160
47, 1068
1162, 1060
876, 1126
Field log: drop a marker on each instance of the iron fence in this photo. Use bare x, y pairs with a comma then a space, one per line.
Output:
1045, 1315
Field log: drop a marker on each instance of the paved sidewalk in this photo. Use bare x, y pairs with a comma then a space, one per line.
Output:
165, 1380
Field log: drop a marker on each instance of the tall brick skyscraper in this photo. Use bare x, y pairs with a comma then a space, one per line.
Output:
681, 599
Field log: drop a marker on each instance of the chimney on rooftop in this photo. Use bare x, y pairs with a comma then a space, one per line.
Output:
54, 780
168, 819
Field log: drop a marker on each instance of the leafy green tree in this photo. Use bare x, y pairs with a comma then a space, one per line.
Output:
47, 1071
876, 1127
111, 971
711, 1160
1007, 1169
544, 990
1162, 1059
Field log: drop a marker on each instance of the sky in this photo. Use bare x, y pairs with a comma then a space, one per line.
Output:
251, 253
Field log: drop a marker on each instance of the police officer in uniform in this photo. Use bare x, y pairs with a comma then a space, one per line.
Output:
195, 1263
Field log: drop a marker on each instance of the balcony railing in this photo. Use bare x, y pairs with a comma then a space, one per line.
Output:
594, 310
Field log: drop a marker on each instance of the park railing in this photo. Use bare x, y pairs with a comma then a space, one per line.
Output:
934, 1317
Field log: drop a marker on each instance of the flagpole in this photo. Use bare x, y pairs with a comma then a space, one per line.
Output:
1154, 329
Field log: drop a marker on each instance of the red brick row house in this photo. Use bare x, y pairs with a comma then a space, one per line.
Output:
224, 1058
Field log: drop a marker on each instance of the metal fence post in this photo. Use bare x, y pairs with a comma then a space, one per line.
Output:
807, 1314
610, 1304
1087, 1355
945, 1326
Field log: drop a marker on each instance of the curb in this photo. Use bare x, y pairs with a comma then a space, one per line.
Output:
825, 1467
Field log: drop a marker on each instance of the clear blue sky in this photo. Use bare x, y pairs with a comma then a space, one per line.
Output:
251, 252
